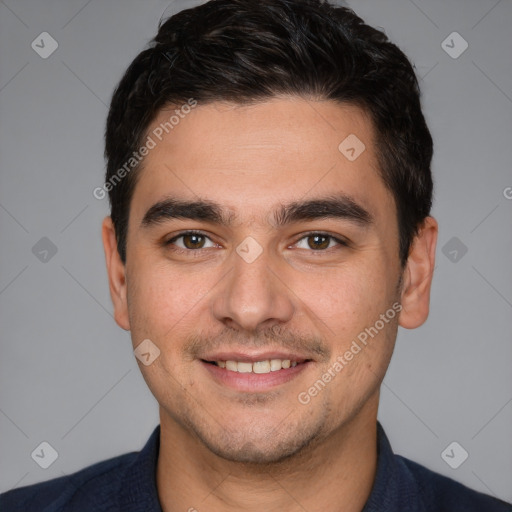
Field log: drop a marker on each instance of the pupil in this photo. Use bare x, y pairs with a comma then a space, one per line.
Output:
192, 241
318, 244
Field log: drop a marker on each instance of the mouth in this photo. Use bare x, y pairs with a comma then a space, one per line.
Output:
254, 374
259, 367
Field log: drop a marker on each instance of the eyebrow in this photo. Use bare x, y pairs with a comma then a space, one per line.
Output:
339, 206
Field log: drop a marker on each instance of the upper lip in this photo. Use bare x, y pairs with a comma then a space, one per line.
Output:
252, 357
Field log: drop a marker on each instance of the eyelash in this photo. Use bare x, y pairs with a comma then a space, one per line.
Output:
199, 233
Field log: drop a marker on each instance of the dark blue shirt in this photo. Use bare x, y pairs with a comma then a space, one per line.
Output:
127, 484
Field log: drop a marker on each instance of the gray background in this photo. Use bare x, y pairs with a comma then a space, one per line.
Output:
67, 372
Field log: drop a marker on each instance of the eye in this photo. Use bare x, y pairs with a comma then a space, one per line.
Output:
190, 240
319, 241
194, 240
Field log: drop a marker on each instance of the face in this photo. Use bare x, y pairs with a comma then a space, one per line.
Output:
259, 255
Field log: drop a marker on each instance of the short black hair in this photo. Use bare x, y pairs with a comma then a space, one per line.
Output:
245, 51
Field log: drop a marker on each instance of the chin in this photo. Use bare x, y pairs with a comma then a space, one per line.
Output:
260, 448
256, 453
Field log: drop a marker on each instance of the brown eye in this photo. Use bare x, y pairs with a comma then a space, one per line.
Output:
190, 241
317, 242
320, 242
193, 241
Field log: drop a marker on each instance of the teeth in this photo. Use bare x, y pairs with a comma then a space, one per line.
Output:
231, 365
266, 366
244, 367
259, 367
275, 364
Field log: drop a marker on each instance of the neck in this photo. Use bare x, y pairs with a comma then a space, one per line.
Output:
336, 474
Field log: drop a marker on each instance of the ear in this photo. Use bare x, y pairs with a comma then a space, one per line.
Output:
116, 274
417, 278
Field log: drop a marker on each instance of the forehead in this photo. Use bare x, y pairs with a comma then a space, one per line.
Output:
249, 157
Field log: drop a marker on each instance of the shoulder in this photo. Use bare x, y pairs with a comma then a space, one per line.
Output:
444, 494
92, 488
402, 485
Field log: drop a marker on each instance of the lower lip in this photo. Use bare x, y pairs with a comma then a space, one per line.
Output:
254, 382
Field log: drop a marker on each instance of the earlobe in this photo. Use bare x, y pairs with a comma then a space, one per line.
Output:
116, 274
418, 273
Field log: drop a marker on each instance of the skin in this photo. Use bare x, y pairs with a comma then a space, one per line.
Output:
226, 450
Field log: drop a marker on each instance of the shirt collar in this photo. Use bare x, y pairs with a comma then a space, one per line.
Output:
138, 492
393, 488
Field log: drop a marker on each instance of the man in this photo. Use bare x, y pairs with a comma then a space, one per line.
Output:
269, 177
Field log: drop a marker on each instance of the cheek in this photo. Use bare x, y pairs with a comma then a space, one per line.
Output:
163, 306
164, 301
346, 299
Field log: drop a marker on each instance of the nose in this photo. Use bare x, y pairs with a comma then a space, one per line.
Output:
253, 296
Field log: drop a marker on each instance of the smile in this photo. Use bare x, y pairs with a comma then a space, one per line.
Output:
264, 366
255, 376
